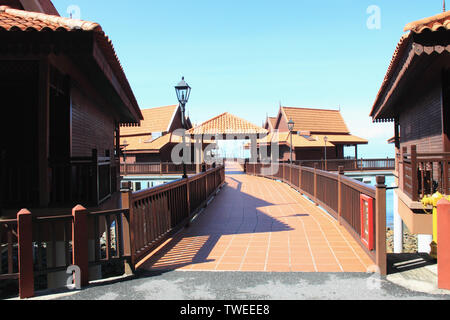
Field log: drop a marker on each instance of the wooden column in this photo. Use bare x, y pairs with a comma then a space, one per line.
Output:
44, 133
127, 235
25, 254
80, 242
380, 221
414, 179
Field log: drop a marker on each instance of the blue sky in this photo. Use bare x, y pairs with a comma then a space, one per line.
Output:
246, 56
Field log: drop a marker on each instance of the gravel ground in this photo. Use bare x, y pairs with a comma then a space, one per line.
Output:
179, 285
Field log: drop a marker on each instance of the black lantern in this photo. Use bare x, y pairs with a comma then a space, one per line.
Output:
291, 124
183, 92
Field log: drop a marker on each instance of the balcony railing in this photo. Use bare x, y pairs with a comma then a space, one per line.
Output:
423, 173
157, 168
88, 180
350, 164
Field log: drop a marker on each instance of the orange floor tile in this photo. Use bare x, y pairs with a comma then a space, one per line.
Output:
257, 224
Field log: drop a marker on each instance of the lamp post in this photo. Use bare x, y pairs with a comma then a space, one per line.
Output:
291, 124
326, 140
183, 91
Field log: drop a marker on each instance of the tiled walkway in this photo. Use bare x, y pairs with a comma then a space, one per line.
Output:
257, 224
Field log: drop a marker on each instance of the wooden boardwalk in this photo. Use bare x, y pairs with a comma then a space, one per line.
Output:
257, 224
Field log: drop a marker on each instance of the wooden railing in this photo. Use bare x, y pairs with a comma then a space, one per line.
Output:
8, 250
349, 164
50, 244
88, 180
338, 195
154, 214
157, 168
423, 173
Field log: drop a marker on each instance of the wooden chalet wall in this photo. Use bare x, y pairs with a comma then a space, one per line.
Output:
91, 127
421, 125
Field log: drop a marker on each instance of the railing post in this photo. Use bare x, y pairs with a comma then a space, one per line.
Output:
80, 242
300, 179
414, 177
188, 197
341, 173
445, 185
403, 171
127, 234
25, 243
380, 221
290, 174
443, 212
315, 183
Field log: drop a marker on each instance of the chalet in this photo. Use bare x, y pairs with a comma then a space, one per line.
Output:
65, 94
152, 140
415, 96
314, 131
227, 126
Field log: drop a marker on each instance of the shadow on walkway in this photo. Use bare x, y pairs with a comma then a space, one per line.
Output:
233, 212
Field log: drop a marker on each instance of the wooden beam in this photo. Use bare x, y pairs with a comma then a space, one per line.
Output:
43, 133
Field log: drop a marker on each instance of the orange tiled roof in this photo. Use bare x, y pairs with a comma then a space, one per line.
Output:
14, 19
20, 20
155, 120
312, 141
227, 123
146, 144
439, 21
432, 24
316, 120
297, 141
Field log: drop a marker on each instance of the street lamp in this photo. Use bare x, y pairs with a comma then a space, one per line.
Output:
291, 124
326, 140
183, 91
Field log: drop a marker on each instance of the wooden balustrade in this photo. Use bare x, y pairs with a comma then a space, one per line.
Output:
350, 164
339, 195
148, 168
88, 180
423, 173
156, 213
30, 247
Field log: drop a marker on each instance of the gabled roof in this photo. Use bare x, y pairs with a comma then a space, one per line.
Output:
270, 123
315, 120
227, 123
13, 20
155, 120
406, 53
145, 144
42, 6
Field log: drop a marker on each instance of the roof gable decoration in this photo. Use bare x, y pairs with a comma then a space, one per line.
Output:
407, 49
